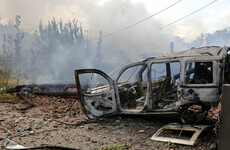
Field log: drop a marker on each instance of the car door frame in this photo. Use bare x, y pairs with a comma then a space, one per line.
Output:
125, 111
108, 96
200, 88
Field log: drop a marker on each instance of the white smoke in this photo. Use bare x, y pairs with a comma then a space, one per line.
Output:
118, 49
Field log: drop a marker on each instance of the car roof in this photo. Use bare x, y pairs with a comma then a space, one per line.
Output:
202, 51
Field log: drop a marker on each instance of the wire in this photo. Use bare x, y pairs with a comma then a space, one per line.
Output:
160, 27
129, 26
187, 15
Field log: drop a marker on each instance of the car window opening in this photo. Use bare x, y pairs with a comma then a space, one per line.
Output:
132, 87
165, 77
199, 73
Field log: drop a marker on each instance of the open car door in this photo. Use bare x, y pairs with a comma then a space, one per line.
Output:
97, 93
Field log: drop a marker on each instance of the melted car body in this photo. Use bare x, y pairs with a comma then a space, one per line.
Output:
167, 84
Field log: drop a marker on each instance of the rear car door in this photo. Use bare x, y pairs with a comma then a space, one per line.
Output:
201, 80
96, 92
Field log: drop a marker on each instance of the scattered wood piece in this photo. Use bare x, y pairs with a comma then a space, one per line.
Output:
66, 87
28, 101
141, 131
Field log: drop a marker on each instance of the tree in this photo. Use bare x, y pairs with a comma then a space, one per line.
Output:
6, 60
10, 56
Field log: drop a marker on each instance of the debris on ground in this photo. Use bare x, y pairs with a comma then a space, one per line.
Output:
214, 112
60, 121
180, 134
28, 101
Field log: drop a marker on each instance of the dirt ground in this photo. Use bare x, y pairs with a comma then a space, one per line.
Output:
60, 122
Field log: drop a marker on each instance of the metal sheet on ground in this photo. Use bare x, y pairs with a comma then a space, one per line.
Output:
179, 134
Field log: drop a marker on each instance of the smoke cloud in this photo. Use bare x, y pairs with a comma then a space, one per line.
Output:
119, 49
137, 42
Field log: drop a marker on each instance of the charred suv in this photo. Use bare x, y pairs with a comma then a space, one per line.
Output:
168, 84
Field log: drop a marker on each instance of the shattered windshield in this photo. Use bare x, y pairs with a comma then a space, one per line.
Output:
130, 74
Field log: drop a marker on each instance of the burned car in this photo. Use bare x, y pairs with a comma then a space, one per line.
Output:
169, 84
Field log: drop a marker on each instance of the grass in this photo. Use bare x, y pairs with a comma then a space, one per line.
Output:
117, 147
12, 83
6, 97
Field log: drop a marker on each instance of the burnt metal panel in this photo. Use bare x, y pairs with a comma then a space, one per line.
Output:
177, 138
97, 104
199, 94
11, 145
208, 51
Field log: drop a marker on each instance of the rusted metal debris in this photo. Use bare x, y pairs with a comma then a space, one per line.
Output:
169, 84
56, 90
179, 134
57, 93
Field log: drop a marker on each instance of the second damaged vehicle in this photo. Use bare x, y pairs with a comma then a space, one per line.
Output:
170, 84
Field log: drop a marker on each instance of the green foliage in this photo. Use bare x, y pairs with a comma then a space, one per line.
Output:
117, 147
169, 144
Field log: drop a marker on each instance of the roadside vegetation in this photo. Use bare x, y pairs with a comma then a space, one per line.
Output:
117, 147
